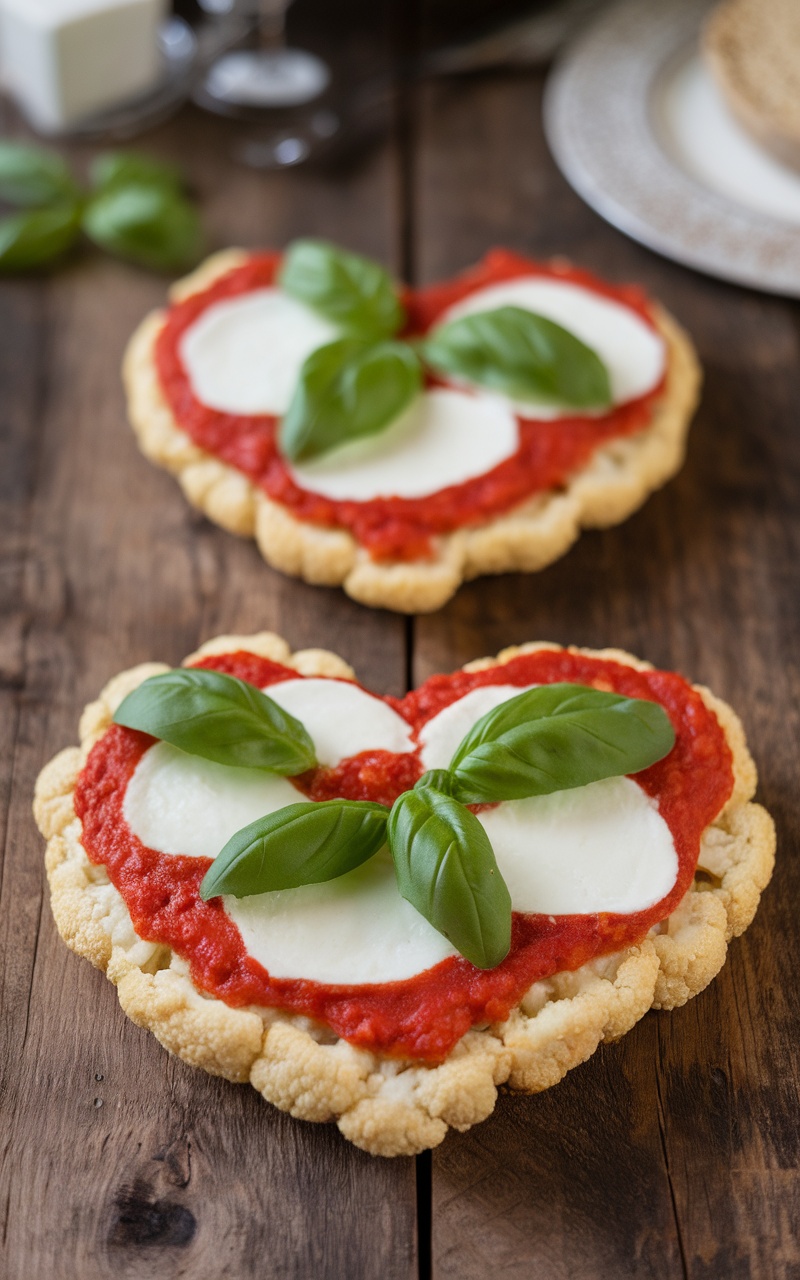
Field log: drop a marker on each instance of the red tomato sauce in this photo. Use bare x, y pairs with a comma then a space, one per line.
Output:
421, 1017
394, 528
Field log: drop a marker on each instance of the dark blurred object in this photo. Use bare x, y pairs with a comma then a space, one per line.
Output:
528, 40
448, 21
350, 109
525, 29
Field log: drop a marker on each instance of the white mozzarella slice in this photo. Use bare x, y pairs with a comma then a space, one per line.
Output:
355, 929
244, 355
445, 438
342, 718
440, 737
177, 803
631, 351
603, 847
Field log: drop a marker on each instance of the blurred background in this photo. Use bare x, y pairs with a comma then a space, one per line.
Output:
112, 69
648, 122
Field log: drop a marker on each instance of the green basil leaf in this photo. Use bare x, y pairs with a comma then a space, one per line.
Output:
31, 177
38, 236
555, 737
522, 355
123, 168
352, 291
210, 714
446, 868
348, 389
145, 224
304, 843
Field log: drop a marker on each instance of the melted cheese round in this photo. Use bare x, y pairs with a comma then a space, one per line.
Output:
245, 355
351, 930
603, 847
342, 718
631, 351
440, 737
446, 437
183, 804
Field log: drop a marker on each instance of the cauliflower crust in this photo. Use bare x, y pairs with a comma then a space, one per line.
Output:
387, 1106
611, 487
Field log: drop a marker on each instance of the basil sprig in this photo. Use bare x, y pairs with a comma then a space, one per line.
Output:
556, 737
354, 292
550, 738
523, 355
305, 843
446, 868
136, 209
348, 389
216, 716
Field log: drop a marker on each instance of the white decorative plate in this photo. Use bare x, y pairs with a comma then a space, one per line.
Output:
638, 129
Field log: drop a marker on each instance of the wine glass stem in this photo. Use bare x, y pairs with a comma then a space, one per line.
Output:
272, 23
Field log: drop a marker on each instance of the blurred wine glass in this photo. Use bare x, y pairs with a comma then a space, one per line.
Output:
268, 85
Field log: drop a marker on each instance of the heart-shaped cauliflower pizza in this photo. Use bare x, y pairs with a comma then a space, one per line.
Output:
378, 910
399, 441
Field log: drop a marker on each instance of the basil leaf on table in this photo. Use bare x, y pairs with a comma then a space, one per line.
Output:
522, 355
147, 224
305, 843
353, 291
124, 168
348, 389
31, 177
555, 737
446, 868
216, 716
37, 236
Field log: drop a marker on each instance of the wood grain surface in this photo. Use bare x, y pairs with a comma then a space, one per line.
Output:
675, 1152
672, 1154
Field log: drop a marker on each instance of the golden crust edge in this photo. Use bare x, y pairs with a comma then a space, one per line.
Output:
384, 1106
617, 481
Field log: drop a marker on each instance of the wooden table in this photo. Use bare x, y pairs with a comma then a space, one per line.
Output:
673, 1153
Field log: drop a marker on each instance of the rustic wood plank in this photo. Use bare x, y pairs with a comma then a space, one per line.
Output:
119, 1160
676, 1152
